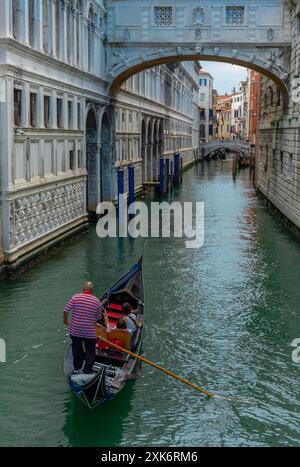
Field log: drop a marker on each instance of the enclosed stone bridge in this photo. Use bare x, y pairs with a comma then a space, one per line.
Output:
251, 33
237, 146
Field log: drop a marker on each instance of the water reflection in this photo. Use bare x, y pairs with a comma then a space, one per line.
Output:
100, 427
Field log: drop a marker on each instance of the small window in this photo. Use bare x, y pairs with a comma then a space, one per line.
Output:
47, 111
17, 106
72, 160
202, 97
281, 161
163, 16
59, 113
290, 165
235, 15
32, 109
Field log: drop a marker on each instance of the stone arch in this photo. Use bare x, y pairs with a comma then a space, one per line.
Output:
144, 148
106, 158
156, 150
149, 154
233, 146
137, 62
91, 159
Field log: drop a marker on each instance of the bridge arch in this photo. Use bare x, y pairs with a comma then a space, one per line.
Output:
262, 61
236, 146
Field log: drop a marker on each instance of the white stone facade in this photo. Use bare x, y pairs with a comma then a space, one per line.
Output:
278, 155
62, 136
239, 112
206, 85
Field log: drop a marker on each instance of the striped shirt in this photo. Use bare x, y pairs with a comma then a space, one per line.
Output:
86, 310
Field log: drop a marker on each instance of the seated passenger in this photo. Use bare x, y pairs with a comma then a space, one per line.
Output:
131, 320
120, 335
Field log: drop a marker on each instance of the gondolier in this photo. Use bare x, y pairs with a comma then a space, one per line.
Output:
113, 367
86, 311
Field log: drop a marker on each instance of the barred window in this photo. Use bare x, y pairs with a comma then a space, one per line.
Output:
235, 15
163, 15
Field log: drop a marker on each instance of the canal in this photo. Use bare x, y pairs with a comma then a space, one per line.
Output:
223, 316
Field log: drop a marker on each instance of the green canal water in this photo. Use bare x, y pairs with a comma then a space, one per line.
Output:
223, 316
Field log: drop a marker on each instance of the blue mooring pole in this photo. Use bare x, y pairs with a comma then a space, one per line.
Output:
176, 168
121, 203
168, 173
161, 175
131, 188
120, 182
131, 184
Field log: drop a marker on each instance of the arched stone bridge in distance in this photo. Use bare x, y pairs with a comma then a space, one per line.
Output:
249, 33
208, 148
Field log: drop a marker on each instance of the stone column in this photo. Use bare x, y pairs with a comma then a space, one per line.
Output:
75, 113
63, 32
53, 109
40, 108
38, 26
24, 23
80, 35
6, 21
65, 112
74, 42
25, 105
85, 59
52, 24
6, 147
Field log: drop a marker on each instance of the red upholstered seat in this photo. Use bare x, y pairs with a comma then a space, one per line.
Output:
115, 306
114, 315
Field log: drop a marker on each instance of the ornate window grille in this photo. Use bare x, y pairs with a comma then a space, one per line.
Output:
235, 15
163, 15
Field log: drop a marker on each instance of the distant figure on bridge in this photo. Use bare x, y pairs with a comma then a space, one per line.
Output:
86, 311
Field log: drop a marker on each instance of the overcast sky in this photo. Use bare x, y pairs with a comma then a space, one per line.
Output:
225, 76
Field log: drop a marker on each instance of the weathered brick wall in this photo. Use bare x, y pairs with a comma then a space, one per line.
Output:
278, 155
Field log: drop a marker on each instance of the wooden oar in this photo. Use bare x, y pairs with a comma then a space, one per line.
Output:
143, 359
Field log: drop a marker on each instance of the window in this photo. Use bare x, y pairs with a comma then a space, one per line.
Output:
70, 114
47, 111
78, 116
281, 161
203, 82
274, 160
267, 160
290, 165
59, 113
235, 15
32, 109
17, 106
202, 97
163, 15
72, 160
79, 158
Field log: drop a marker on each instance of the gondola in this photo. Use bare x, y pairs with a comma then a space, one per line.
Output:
112, 368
